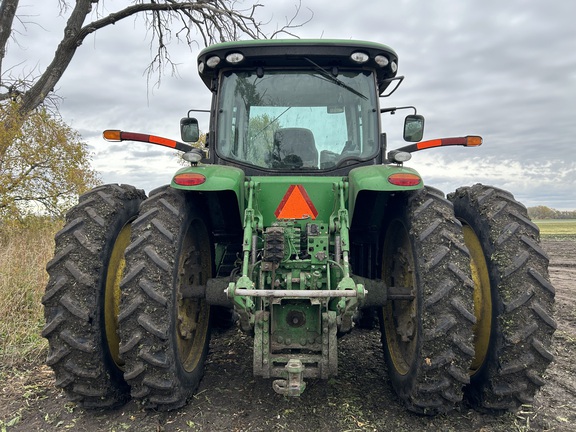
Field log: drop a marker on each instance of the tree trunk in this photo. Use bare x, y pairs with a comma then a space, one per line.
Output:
73, 37
214, 19
7, 13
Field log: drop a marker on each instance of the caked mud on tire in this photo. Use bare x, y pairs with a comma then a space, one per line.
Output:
164, 330
515, 299
428, 340
80, 303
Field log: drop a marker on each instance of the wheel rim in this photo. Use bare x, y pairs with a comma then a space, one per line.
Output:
112, 293
400, 316
482, 298
193, 314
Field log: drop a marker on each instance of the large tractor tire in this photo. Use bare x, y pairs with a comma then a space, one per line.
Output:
513, 298
164, 329
82, 296
427, 340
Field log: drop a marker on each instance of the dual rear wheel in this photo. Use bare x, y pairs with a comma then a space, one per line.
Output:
164, 330
479, 324
121, 319
514, 299
427, 340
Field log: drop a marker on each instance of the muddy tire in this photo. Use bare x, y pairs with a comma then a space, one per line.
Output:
80, 303
165, 332
514, 298
428, 340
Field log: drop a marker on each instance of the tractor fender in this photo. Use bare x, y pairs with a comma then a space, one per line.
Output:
377, 178
216, 179
220, 193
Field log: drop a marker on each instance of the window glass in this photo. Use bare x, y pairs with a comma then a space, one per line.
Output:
297, 119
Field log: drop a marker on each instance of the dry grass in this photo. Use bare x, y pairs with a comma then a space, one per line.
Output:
24, 251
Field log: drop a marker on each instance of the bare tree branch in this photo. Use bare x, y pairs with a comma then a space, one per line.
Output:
213, 20
59, 171
7, 14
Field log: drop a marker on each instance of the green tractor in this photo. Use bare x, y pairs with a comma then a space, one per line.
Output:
295, 222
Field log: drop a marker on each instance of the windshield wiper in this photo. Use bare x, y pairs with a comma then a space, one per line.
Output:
334, 79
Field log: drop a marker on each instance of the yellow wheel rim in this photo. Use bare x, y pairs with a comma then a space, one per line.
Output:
482, 298
112, 292
400, 316
193, 319
193, 314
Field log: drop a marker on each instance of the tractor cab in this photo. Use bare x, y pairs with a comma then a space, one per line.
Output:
308, 106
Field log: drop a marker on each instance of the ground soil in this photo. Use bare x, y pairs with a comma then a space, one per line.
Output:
360, 398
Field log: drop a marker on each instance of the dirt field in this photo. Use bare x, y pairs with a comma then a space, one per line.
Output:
360, 398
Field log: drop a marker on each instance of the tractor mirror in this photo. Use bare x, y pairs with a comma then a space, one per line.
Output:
189, 130
413, 128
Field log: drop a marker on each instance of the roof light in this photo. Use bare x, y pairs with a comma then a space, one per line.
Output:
201, 67
399, 156
359, 57
234, 58
193, 156
404, 179
382, 60
213, 61
189, 179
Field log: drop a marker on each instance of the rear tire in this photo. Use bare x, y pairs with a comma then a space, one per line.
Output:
428, 340
514, 298
82, 296
164, 333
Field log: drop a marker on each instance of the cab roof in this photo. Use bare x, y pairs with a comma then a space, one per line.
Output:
293, 53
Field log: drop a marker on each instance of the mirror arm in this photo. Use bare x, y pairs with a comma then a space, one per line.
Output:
196, 110
392, 110
467, 141
117, 135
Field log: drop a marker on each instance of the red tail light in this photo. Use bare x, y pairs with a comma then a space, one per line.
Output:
404, 179
189, 179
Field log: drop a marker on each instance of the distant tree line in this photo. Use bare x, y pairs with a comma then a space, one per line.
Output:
543, 212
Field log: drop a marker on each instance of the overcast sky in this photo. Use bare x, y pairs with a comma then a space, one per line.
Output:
505, 70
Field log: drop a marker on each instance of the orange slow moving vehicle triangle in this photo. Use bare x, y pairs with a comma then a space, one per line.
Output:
296, 204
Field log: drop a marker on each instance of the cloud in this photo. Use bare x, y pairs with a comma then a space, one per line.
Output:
504, 70
530, 182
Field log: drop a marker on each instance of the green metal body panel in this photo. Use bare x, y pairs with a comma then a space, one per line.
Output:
218, 178
375, 178
297, 324
314, 43
269, 192
286, 53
